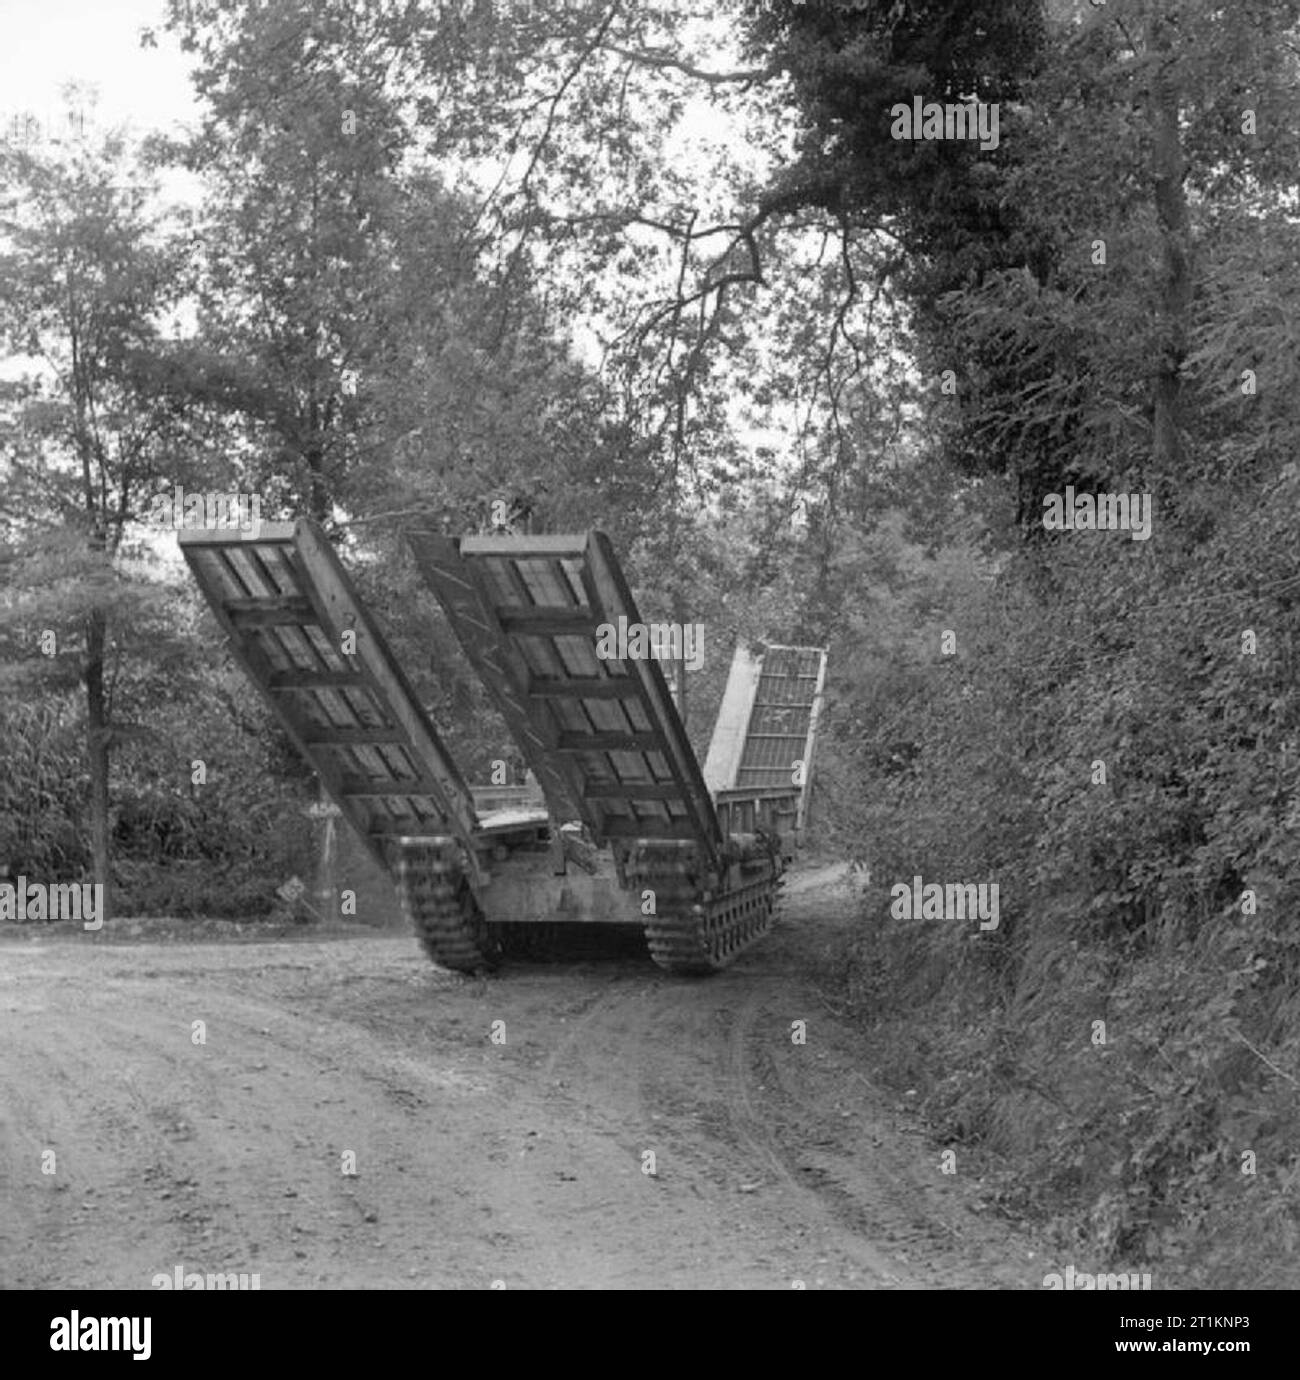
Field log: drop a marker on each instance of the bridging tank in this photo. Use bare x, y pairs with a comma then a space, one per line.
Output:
622, 826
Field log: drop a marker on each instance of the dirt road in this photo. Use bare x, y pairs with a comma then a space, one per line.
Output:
523, 1161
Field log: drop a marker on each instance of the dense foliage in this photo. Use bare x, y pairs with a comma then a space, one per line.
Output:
817, 383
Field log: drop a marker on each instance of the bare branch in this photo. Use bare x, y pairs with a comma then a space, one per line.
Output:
663, 60
552, 110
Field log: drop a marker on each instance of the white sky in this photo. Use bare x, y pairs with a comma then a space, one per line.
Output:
45, 43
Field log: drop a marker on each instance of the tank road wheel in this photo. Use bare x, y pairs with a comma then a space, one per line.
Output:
692, 931
437, 899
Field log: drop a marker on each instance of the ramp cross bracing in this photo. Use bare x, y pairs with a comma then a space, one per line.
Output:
285, 602
781, 717
602, 736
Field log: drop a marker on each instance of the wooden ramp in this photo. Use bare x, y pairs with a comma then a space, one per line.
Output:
764, 739
602, 736
288, 607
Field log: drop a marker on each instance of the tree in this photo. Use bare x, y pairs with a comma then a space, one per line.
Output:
588, 217
86, 282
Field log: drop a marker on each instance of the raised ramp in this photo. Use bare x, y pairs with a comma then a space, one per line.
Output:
602, 736
297, 626
727, 745
761, 753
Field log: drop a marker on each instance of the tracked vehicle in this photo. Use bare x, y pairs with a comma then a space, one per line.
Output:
623, 827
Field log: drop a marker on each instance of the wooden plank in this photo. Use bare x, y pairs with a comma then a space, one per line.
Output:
340, 609
553, 627
506, 797
493, 619
312, 680
297, 602
357, 737
468, 604
544, 621
254, 664
608, 591
522, 548
494, 571
492, 574
264, 613
369, 788
633, 790
585, 688
789, 793
268, 533
332, 603
575, 741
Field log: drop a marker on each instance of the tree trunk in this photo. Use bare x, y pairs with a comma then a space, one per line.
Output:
97, 740
325, 891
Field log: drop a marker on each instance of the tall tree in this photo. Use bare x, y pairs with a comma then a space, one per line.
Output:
87, 280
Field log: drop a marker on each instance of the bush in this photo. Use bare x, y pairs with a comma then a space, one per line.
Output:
194, 889
1123, 902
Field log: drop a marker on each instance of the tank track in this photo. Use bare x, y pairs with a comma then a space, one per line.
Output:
693, 929
437, 899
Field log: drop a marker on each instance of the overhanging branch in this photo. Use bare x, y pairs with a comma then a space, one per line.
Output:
663, 60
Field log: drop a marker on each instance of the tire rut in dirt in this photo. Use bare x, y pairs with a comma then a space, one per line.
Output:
757, 1132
